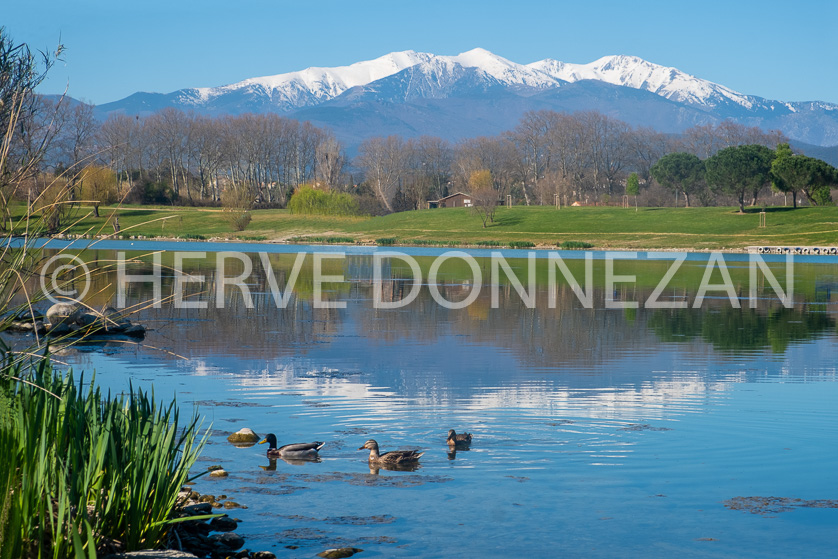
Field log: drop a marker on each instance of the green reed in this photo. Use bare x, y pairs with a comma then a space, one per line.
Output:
87, 472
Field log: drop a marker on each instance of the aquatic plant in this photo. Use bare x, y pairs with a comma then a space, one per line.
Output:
92, 472
574, 245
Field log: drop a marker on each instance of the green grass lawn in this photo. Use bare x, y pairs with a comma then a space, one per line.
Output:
604, 227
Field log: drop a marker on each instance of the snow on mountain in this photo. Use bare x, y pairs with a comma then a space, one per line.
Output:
634, 72
312, 85
478, 76
503, 70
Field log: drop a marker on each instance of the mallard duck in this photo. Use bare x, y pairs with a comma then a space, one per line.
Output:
392, 458
298, 451
461, 440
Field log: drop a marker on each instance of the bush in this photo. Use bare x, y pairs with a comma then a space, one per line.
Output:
386, 241
153, 193
237, 201
252, 238
240, 220
521, 244
310, 201
369, 204
488, 243
574, 245
55, 205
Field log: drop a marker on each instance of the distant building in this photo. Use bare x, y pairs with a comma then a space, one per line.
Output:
456, 200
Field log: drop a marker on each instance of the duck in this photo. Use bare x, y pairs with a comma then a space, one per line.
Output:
297, 451
461, 440
392, 458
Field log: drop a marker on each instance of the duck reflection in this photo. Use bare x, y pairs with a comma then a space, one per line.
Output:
376, 467
271, 467
452, 451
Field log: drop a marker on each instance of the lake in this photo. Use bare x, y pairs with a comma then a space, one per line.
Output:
600, 429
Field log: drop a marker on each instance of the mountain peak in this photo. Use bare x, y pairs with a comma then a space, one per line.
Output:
403, 77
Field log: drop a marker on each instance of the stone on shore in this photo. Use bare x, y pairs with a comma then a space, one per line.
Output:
197, 510
223, 524
61, 312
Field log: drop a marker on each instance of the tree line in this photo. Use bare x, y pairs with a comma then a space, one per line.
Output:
178, 157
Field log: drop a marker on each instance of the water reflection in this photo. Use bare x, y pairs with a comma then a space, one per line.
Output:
271, 467
375, 468
640, 421
728, 329
542, 337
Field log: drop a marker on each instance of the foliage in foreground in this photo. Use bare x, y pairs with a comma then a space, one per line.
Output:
91, 472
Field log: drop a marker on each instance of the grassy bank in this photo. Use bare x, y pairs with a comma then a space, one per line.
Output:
603, 227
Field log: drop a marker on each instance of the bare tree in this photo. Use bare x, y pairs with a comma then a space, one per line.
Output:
118, 140
484, 197
383, 162
498, 155
645, 147
169, 131
330, 161
75, 141
704, 141
21, 148
534, 141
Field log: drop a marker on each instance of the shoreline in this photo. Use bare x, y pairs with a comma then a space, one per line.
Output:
765, 249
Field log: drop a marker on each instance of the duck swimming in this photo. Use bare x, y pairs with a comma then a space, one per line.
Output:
392, 458
459, 441
298, 451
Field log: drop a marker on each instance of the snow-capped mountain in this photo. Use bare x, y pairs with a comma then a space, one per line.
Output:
401, 80
634, 72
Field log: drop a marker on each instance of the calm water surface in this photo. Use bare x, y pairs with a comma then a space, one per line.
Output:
597, 432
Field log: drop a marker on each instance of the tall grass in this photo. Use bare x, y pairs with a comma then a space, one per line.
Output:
87, 472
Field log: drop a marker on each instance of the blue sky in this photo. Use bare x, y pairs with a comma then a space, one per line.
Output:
779, 50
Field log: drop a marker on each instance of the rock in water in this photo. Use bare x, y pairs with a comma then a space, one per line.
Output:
339, 553
223, 524
244, 436
228, 541
197, 510
60, 312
